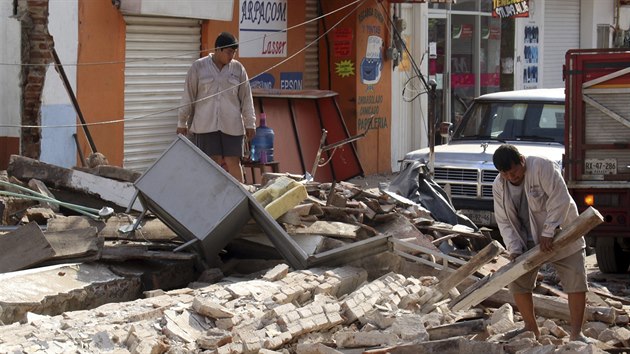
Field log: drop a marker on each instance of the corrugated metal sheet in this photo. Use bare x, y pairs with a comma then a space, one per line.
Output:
311, 67
561, 33
159, 52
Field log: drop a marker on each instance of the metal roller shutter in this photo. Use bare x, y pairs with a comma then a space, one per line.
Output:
561, 33
159, 52
311, 54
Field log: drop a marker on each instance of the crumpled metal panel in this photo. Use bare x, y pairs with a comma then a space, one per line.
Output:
201, 202
207, 207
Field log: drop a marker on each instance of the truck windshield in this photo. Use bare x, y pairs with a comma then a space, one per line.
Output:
523, 121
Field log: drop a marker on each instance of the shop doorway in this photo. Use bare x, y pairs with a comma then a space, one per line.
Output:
464, 48
439, 67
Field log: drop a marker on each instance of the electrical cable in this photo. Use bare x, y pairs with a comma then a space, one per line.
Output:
104, 212
360, 2
186, 53
415, 67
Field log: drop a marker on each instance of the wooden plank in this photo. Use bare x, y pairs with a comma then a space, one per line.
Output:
526, 262
494, 266
484, 256
622, 299
75, 243
453, 345
151, 229
127, 252
457, 329
400, 245
65, 223
444, 229
555, 307
24, 247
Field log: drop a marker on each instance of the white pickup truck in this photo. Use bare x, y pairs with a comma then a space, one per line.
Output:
532, 120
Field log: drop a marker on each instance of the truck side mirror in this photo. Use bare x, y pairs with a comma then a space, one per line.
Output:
445, 129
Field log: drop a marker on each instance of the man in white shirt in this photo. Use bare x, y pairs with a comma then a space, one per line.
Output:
531, 202
217, 106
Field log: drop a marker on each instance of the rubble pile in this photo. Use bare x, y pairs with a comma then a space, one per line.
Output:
307, 311
321, 216
422, 288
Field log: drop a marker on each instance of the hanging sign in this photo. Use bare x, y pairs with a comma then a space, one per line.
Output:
510, 8
263, 28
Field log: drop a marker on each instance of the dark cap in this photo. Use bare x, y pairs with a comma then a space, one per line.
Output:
226, 40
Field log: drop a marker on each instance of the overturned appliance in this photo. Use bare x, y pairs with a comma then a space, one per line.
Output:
207, 207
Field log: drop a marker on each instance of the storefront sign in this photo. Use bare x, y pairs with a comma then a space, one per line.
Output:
344, 68
262, 28
462, 31
369, 112
291, 81
262, 81
510, 8
342, 43
530, 53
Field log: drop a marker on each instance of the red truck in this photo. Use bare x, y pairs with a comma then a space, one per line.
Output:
597, 147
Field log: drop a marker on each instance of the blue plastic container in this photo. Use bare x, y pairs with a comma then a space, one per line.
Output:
262, 145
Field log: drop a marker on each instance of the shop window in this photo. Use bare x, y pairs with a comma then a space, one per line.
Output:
507, 54
466, 5
489, 55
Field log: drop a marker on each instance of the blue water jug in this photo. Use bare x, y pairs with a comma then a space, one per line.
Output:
262, 144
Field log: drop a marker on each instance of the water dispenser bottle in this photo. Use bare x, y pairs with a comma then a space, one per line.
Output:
262, 145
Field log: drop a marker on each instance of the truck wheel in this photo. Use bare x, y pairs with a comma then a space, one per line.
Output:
610, 257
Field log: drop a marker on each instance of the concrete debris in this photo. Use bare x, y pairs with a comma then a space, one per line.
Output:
382, 277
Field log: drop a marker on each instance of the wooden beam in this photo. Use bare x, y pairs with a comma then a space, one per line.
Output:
453, 345
555, 307
457, 329
83, 244
24, 247
469, 268
526, 262
126, 252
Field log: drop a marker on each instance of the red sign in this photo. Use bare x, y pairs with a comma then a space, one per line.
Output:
342, 42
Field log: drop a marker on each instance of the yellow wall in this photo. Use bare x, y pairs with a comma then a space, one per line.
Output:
100, 88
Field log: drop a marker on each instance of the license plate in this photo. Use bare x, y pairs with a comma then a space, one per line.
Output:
600, 167
480, 217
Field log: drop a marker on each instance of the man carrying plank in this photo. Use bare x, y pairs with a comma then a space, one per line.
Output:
531, 202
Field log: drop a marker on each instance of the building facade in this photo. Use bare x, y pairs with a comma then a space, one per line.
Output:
124, 64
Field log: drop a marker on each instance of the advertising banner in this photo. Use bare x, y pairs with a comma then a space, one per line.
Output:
510, 8
262, 28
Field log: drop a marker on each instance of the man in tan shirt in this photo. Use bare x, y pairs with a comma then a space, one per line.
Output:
217, 106
531, 203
